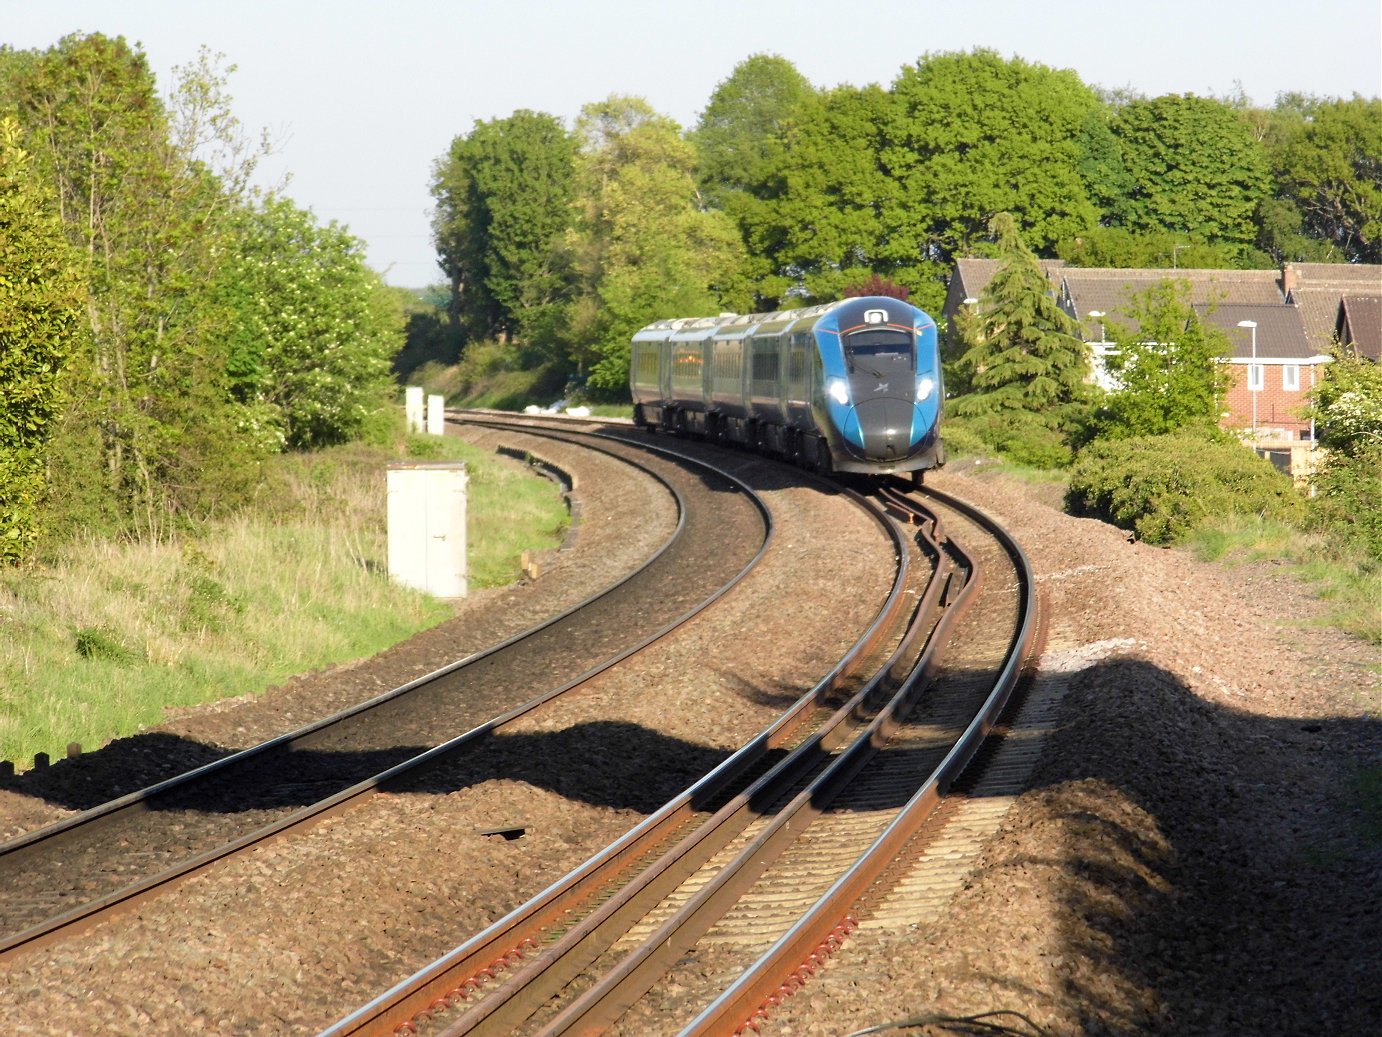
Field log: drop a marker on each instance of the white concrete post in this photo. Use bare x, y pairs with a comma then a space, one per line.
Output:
412, 407
436, 415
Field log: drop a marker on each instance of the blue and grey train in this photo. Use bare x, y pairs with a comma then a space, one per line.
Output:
847, 386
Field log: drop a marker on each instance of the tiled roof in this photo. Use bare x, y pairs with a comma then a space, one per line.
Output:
1280, 335
1335, 275
973, 275
1110, 292
1360, 325
1316, 288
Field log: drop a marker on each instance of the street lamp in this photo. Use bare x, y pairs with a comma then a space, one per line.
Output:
1251, 325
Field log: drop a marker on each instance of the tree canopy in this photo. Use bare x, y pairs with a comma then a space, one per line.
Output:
643, 246
40, 325
1166, 367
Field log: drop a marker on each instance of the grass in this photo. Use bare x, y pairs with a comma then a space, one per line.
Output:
1343, 577
102, 641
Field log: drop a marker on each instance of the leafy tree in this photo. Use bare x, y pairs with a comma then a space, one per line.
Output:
742, 158
1122, 248
144, 217
1347, 408
1195, 166
1167, 370
1026, 359
40, 322
1328, 168
832, 222
313, 329
740, 137
503, 205
427, 335
876, 285
645, 249
978, 135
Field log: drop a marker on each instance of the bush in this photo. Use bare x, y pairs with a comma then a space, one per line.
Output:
1018, 436
1162, 487
1348, 492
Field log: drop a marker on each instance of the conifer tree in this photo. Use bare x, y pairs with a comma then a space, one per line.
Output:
1026, 357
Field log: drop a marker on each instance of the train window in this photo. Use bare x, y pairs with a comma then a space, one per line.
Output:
765, 361
878, 341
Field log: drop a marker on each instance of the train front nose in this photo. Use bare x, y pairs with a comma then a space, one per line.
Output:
885, 424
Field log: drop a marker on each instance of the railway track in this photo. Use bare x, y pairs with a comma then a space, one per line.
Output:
728, 894
80, 871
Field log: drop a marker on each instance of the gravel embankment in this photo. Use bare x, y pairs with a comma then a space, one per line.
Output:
1192, 859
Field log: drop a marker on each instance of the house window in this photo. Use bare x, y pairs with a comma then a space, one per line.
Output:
1290, 377
1255, 377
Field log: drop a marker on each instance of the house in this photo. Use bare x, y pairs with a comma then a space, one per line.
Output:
1272, 369
1321, 290
1099, 299
1358, 327
1283, 325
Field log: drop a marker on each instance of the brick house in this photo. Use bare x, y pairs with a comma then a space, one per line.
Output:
1273, 371
1292, 316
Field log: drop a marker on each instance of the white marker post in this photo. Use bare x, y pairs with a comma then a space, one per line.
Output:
412, 407
436, 415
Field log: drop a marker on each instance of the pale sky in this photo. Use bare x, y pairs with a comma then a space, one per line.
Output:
362, 98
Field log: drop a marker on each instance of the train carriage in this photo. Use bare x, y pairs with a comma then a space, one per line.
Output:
851, 386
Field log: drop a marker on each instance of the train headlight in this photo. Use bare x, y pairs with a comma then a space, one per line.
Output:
838, 390
926, 385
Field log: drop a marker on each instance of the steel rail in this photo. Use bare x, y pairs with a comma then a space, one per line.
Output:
102, 907
737, 1005
617, 990
512, 943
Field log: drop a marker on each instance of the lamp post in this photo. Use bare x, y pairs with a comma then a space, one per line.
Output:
1251, 325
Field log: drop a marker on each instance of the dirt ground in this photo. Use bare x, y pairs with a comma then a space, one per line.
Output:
1199, 853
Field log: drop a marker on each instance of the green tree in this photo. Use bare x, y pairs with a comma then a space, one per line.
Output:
740, 137
645, 249
742, 158
312, 330
1166, 368
1328, 168
832, 223
1123, 248
1023, 363
40, 321
978, 135
1196, 169
144, 216
1347, 408
504, 195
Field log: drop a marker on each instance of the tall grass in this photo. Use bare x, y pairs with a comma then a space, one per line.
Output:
100, 642
1341, 575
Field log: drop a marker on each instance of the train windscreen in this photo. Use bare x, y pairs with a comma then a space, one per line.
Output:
880, 344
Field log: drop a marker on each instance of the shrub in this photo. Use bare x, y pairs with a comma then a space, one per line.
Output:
1162, 487
1019, 436
1349, 489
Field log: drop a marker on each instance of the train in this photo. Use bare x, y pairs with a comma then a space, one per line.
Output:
851, 386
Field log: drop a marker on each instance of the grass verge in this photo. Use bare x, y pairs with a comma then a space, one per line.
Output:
1340, 575
100, 642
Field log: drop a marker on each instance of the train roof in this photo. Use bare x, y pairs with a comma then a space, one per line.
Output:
680, 326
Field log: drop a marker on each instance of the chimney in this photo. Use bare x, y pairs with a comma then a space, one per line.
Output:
1290, 278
